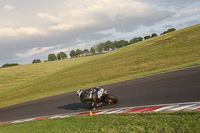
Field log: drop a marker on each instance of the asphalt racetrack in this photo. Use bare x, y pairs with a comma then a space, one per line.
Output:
171, 87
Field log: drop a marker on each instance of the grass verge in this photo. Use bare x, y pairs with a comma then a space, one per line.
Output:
112, 123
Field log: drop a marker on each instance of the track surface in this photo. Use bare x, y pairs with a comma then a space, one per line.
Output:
170, 87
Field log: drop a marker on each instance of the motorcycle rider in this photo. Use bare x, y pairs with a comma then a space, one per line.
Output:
92, 94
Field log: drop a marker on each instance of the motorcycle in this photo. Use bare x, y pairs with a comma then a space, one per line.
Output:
93, 98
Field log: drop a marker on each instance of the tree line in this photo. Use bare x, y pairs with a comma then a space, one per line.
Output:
97, 49
109, 46
52, 57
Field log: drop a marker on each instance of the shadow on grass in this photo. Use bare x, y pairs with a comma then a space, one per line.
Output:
73, 106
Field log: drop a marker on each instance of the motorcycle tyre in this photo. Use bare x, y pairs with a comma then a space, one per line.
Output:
110, 99
90, 106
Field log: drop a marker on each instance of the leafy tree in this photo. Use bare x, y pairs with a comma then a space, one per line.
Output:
136, 39
108, 45
100, 47
36, 61
112, 46
115, 44
163, 33
132, 40
140, 39
154, 35
63, 55
122, 43
59, 56
92, 50
86, 51
105, 46
52, 57
170, 30
79, 52
72, 54
147, 37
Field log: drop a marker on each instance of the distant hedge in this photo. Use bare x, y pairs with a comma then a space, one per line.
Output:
169, 30
9, 65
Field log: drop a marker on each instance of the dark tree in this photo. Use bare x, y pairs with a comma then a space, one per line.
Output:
36, 61
63, 55
113, 46
164, 32
154, 35
100, 47
52, 57
147, 37
59, 56
86, 51
140, 38
79, 52
107, 46
92, 50
136, 39
122, 43
170, 30
72, 54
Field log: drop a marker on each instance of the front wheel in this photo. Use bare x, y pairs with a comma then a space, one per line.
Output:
110, 99
89, 105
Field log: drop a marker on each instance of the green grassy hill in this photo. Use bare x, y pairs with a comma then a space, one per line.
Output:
163, 53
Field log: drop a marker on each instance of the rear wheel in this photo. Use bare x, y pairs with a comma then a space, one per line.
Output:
110, 99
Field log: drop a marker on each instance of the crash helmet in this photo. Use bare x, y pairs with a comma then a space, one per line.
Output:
78, 93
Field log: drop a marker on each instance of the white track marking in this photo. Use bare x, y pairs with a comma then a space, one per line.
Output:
181, 108
193, 107
166, 108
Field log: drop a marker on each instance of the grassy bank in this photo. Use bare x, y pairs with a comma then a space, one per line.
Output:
163, 53
113, 123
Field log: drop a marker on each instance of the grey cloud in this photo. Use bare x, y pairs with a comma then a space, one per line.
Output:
193, 22
130, 23
94, 36
152, 31
168, 26
177, 4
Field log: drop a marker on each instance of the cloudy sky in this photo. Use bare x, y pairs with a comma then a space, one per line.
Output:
32, 29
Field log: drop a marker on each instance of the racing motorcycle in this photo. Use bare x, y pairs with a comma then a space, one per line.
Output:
95, 97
